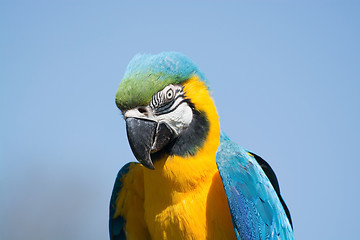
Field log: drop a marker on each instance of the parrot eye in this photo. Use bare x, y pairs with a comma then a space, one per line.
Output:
163, 101
169, 94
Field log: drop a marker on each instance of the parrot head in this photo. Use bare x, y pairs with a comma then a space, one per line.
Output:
162, 100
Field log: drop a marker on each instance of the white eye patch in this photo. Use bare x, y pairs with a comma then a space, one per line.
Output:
179, 119
170, 106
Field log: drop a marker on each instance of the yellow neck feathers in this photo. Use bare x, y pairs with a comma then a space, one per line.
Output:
184, 197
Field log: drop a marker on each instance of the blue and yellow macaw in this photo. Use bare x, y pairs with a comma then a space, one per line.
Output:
193, 181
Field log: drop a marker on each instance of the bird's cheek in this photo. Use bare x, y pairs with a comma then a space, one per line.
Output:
179, 119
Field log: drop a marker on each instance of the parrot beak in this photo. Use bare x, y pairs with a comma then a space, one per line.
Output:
147, 137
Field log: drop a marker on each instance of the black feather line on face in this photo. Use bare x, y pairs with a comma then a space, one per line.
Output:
155, 101
165, 107
171, 110
192, 138
160, 103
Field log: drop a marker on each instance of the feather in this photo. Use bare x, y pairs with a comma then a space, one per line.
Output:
255, 207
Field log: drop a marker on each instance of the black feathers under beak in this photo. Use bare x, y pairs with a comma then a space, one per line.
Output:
146, 137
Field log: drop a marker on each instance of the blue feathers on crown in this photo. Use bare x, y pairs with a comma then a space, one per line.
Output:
168, 64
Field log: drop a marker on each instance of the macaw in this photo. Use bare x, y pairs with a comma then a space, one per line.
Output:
192, 181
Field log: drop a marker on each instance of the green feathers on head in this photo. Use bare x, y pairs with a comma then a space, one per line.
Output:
148, 74
138, 90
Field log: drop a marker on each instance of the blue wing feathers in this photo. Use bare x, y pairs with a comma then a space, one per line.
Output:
272, 177
255, 207
117, 225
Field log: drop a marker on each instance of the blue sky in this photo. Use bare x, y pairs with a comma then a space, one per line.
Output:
285, 77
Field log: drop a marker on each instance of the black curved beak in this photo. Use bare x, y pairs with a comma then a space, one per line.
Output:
146, 137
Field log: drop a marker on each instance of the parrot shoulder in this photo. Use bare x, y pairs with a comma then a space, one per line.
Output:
126, 204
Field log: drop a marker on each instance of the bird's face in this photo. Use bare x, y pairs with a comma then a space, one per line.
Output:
153, 127
167, 107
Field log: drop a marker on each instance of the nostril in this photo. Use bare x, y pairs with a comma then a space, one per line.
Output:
142, 110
